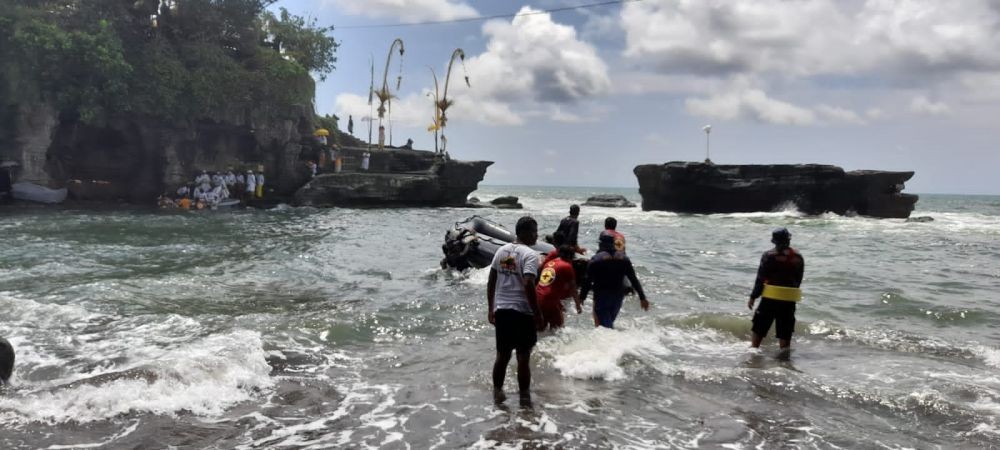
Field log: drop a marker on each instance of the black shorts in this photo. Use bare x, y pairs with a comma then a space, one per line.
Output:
515, 331
778, 311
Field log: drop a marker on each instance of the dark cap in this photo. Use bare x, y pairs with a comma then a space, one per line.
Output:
606, 241
781, 236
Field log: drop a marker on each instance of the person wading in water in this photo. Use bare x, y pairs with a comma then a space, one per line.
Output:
778, 279
570, 228
556, 283
605, 275
6, 361
513, 308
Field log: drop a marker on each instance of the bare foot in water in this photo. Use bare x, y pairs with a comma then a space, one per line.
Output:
526, 400
498, 396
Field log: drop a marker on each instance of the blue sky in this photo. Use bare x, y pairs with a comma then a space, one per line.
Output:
579, 98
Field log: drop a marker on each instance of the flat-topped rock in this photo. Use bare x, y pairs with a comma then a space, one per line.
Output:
446, 183
609, 201
506, 202
701, 188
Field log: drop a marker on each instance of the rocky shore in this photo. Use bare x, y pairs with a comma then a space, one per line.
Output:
701, 188
134, 159
397, 178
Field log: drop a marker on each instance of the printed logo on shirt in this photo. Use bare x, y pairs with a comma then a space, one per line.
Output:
619, 244
508, 263
548, 275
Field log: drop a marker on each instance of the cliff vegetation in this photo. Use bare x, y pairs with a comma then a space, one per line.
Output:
164, 59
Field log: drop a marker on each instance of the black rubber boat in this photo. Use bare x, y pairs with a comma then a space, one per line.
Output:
474, 241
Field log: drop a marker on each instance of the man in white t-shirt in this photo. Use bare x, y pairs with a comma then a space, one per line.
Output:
513, 309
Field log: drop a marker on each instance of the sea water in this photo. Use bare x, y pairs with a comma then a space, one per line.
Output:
337, 328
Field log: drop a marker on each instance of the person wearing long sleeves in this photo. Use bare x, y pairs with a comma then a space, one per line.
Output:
778, 279
606, 272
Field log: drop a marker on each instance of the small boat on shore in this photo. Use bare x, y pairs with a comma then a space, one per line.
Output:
31, 192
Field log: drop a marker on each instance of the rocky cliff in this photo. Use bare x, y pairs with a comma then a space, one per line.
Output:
812, 188
134, 158
396, 178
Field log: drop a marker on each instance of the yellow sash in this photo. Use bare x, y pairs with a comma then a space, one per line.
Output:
788, 294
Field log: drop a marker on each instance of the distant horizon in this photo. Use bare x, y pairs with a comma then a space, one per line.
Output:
636, 187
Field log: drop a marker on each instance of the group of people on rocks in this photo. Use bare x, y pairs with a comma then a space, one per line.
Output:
209, 190
525, 293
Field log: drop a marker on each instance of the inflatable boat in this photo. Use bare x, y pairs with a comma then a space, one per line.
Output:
474, 241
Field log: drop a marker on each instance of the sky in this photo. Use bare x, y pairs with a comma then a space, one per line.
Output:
580, 97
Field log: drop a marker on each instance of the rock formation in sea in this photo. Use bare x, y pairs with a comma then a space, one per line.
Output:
395, 178
507, 202
701, 188
609, 201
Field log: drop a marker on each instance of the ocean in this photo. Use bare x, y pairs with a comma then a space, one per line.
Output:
305, 328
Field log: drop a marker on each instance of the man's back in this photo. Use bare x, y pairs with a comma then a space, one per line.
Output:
779, 267
511, 262
556, 280
619, 240
570, 228
607, 270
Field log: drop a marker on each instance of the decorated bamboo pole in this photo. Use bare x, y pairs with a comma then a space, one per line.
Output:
443, 103
436, 123
384, 94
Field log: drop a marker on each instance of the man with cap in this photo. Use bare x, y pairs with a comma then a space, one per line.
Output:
606, 272
778, 279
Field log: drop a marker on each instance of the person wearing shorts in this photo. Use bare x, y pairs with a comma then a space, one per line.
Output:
778, 279
513, 308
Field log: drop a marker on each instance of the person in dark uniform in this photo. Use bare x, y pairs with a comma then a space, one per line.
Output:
778, 279
6, 361
5, 184
570, 228
605, 274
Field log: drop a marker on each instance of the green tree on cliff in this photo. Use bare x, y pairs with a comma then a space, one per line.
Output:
172, 59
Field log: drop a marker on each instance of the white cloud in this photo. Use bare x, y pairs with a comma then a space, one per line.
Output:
413, 110
408, 11
725, 37
922, 105
559, 114
531, 66
875, 114
751, 104
657, 140
813, 37
839, 115
894, 45
550, 170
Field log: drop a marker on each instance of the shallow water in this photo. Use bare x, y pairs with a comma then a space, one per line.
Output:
304, 328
